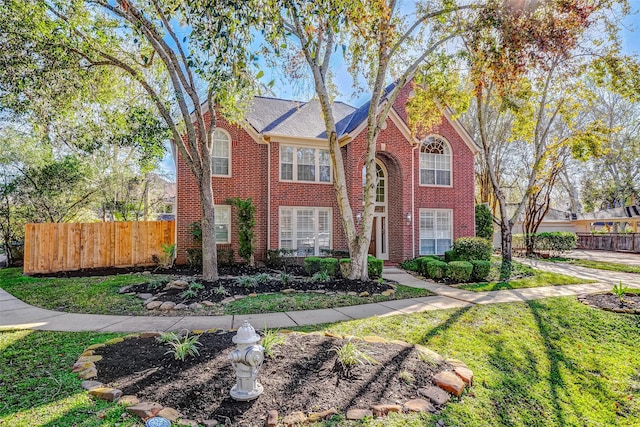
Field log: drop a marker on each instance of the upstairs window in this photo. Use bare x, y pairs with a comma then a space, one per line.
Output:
435, 162
304, 164
220, 153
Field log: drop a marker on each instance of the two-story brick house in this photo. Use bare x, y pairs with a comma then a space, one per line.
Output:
279, 157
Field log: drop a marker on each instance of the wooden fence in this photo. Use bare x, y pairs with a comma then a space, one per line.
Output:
50, 248
628, 242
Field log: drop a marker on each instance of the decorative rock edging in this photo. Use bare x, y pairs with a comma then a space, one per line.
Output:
447, 382
584, 300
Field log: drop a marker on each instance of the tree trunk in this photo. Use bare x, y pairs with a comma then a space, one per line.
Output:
209, 257
506, 241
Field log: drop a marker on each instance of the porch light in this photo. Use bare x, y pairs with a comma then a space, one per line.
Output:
358, 218
408, 216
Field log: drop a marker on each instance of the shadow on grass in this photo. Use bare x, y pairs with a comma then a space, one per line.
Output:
438, 330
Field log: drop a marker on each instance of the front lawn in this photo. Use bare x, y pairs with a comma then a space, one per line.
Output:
599, 265
552, 362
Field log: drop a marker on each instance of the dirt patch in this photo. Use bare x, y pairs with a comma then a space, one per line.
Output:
300, 377
630, 303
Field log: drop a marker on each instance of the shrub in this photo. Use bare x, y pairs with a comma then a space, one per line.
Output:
270, 340
349, 356
436, 269
183, 347
481, 270
468, 248
321, 276
555, 243
410, 264
374, 266
225, 256
484, 222
194, 257
246, 224
450, 256
460, 271
278, 258
422, 264
312, 265
330, 266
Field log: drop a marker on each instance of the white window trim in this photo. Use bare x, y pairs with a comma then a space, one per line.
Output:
228, 209
230, 153
420, 211
443, 139
294, 227
295, 164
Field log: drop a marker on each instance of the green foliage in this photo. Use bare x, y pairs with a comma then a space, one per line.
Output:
436, 270
460, 271
189, 293
619, 290
196, 233
246, 224
555, 243
450, 256
262, 278
374, 266
423, 261
226, 256
279, 258
271, 339
183, 346
195, 286
168, 254
321, 276
409, 264
194, 257
484, 222
246, 281
407, 377
167, 337
349, 356
220, 290
468, 248
481, 270
330, 265
284, 278
154, 284
312, 265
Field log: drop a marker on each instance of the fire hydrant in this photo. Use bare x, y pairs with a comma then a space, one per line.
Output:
247, 360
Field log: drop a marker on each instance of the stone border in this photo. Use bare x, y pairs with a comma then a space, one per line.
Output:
583, 299
446, 383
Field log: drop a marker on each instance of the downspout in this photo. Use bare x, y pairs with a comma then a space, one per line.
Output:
174, 153
268, 197
413, 201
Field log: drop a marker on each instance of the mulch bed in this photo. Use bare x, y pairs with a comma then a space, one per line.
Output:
301, 377
610, 302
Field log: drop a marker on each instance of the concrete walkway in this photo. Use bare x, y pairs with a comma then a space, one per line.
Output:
15, 314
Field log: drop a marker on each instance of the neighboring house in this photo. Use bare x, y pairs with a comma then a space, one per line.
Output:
279, 158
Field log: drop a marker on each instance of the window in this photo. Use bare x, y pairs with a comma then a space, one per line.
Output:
435, 231
304, 164
305, 230
223, 224
435, 162
220, 152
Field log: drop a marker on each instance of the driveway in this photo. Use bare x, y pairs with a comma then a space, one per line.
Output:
614, 257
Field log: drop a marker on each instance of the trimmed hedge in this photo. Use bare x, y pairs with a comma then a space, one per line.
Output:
480, 270
468, 248
374, 266
450, 256
314, 264
555, 242
422, 264
437, 269
460, 271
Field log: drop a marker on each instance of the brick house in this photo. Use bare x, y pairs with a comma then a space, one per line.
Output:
279, 157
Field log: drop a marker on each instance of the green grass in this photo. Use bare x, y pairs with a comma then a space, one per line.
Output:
96, 295
552, 362
38, 388
599, 265
523, 276
271, 303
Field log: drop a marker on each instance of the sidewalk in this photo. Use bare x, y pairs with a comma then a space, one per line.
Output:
15, 314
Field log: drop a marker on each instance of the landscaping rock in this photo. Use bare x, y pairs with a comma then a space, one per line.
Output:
128, 400
177, 284
383, 410
429, 355
150, 334
94, 346
180, 307
456, 362
450, 382
374, 339
352, 294
226, 300
402, 343
187, 422
93, 358
195, 306
435, 394
89, 373
358, 414
418, 405
294, 419
167, 305
153, 305
210, 423
90, 385
314, 417
114, 341
364, 294
288, 291
88, 353
145, 409
465, 374
81, 366
272, 419
145, 296
170, 414
106, 393
208, 303
388, 292
124, 289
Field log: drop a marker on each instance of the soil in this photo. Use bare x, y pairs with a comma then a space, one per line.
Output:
610, 302
211, 291
302, 376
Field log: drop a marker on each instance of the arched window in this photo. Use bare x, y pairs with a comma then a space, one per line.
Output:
435, 162
220, 153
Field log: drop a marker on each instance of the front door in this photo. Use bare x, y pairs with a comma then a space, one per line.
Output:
379, 231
